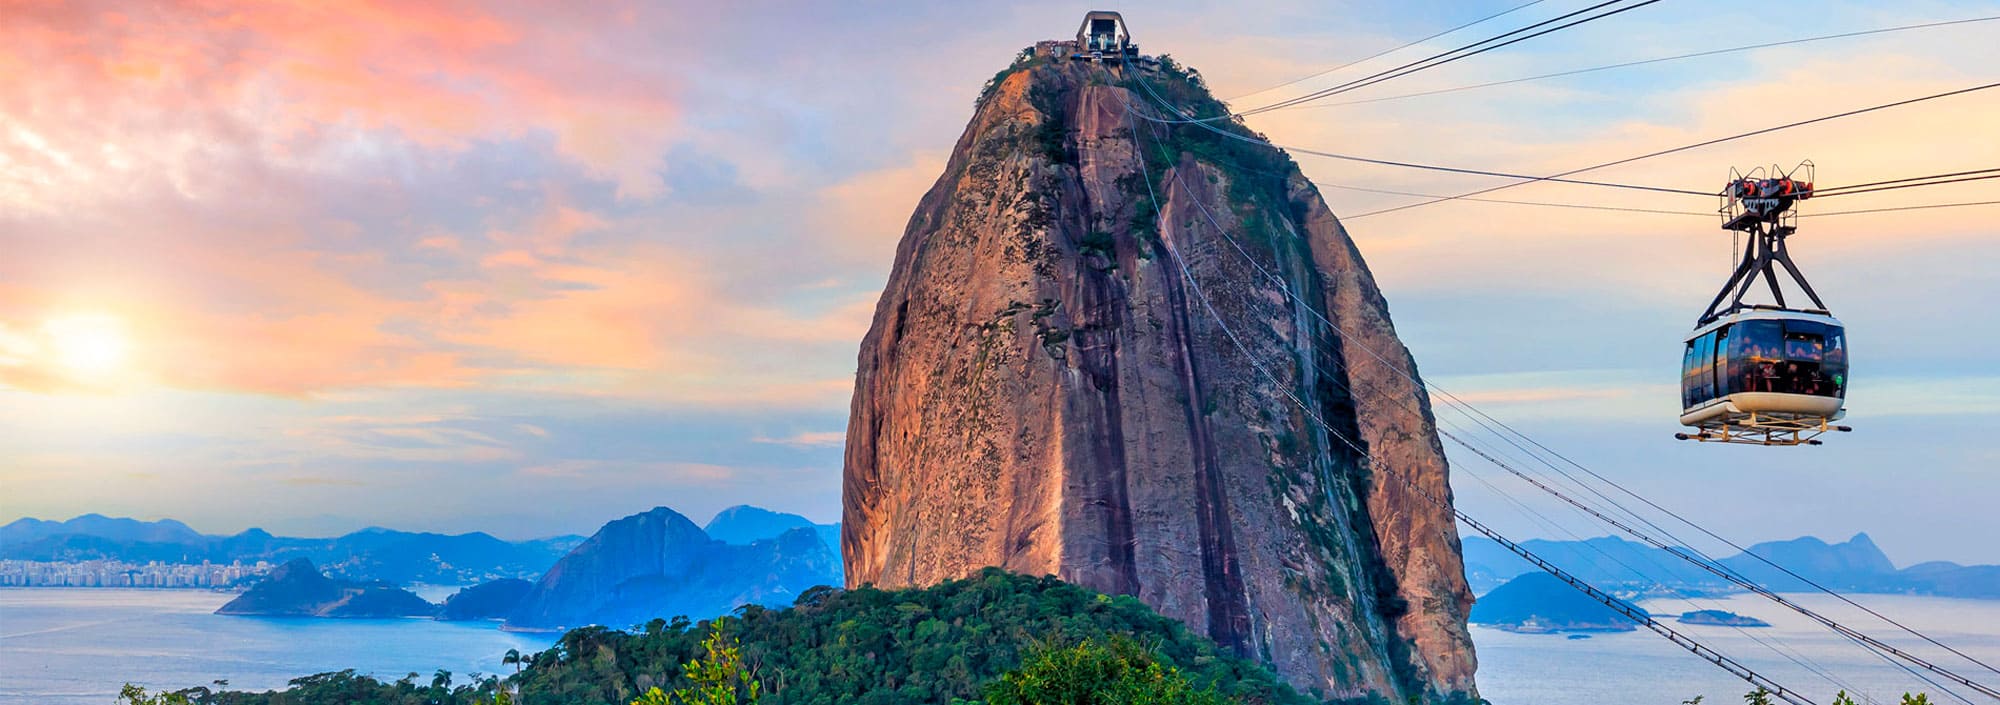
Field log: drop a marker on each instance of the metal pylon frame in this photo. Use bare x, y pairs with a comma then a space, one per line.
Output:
1767, 222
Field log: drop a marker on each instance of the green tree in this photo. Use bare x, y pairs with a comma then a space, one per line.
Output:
1116, 672
512, 658
1918, 699
719, 678
1760, 696
1842, 698
135, 695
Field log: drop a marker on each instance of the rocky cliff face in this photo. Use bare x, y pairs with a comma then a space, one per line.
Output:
659, 565
1042, 390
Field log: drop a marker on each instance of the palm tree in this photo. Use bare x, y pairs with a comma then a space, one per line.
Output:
513, 658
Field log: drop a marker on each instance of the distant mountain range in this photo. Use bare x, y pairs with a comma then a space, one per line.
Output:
658, 564
655, 564
1856, 565
372, 554
743, 524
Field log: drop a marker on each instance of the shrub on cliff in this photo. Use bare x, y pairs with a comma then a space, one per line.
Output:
1117, 672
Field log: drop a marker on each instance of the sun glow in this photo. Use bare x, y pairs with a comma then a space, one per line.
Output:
89, 346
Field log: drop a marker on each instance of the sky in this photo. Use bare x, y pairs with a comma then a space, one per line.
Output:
466, 266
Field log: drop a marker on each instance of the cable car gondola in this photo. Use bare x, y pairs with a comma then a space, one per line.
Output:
1756, 373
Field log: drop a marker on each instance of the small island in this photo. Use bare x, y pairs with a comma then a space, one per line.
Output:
298, 589
1720, 618
1539, 603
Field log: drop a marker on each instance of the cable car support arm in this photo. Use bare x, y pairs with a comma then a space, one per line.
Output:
1763, 209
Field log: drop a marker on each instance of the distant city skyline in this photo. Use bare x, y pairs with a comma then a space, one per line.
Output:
524, 271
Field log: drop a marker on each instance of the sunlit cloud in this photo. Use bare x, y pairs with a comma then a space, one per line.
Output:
807, 439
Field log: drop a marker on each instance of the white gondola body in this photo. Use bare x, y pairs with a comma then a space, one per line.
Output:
1765, 367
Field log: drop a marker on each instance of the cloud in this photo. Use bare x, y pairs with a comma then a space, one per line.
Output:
807, 439
316, 481
417, 439
613, 471
439, 72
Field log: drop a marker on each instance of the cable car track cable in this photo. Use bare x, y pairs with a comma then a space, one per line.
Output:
1903, 208
1433, 60
1712, 52
1482, 172
1556, 178
1623, 609
1677, 550
1431, 167
1697, 145
1656, 211
1399, 73
1712, 568
1512, 202
1858, 190
1387, 52
1824, 191
1554, 527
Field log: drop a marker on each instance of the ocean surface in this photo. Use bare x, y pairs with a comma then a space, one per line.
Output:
1640, 667
76, 646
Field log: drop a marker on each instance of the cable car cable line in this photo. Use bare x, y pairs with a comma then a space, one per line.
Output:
1557, 178
1430, 167
1553, 527
1857, 190
1413, 67
1512, 202
1434, 60
1712, 52
1475, 172
1622, 608
1825, 191
1724, 573
1740, 549
1697, 145
1386, 52
1903, 208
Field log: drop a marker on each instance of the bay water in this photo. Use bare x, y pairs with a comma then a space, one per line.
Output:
77, 646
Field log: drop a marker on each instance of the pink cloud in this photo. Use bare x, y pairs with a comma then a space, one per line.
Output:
440, 72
